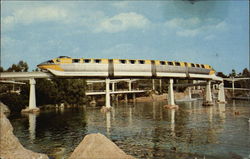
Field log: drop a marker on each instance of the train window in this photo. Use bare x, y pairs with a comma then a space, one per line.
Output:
177, 64
98, 60
49, 62
202, 66
170, 63
141, 62
162, 62
87, 60
123, 61
132, 61
58, 60
197, 65
192, 65
75, 60
186, 64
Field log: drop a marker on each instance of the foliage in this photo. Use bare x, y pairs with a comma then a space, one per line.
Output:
71, 91
14, 101
233, 73
20, 67
1, 69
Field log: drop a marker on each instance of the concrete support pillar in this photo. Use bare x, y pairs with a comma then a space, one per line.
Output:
107, 93
171, 92
113, 90
153, 84
221, 94
160, 83
233, 85
199, 87
32, 98
113, 87
130, 85
208, 97
189, 93
194, 82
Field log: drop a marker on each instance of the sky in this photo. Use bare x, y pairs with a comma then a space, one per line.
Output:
207, 32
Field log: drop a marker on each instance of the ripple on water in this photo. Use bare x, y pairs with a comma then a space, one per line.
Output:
146, 130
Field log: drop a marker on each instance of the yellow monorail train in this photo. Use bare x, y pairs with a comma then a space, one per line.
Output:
115, 68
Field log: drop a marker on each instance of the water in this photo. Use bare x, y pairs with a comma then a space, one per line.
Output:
144, 130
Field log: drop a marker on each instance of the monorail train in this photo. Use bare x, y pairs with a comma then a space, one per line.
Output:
115, 68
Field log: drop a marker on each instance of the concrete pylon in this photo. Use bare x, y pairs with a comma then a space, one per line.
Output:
32, 98
221, 93
130, 85
160, 83
171, 92
113, 87
113, 90
189, 93
208, 97
233, 85
107, 106
153, 84
107, 93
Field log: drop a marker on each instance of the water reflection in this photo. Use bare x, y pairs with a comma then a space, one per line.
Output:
145, 130
172, 125
222, 110
32, 126
108, 123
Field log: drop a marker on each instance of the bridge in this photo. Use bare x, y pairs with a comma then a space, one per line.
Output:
31, 76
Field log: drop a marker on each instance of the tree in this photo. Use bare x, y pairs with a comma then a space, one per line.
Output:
221, 74
71, 91
233, 74
1, 69
20, 67
245, 73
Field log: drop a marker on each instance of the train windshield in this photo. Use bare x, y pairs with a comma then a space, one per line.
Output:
64, 57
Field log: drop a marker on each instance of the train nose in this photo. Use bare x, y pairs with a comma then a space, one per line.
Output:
44, 64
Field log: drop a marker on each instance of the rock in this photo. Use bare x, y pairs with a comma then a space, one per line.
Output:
206, 103
4, 108
10, 146
97, 146
27, 110
105, 109
171, 107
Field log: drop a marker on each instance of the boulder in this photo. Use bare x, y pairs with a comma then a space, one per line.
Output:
4, 108
10, 147
97, 146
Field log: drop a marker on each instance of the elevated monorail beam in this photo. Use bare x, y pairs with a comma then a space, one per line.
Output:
10, 82
235, 79
24, 75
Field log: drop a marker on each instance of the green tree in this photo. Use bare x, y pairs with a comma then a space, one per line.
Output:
71, 91
233, 73
221, 74
20, 67
1, 69
245, 73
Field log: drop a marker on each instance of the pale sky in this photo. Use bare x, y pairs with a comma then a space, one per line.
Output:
208, 32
